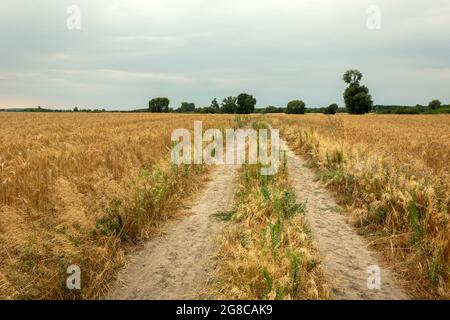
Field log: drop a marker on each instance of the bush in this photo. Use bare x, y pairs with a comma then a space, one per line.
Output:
272, 109
435, 104
229, 105
160, 104
245, 104
208, 110
187, 107
331, 109
407, 110
295, 107
215, 106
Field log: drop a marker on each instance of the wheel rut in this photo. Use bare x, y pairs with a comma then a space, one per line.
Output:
344, 253
177, 265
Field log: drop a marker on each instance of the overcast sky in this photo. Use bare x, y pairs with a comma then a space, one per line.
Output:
194, 50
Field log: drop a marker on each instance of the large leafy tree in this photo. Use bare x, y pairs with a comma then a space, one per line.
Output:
187, 107
245, 104
160, 104
357, 97
215, 105
229, 105
295, 107
352, 76
435, 104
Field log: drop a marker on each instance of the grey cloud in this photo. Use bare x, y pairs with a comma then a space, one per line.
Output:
129, 51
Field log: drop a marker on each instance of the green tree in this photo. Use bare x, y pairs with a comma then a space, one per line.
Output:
273, 109
209, 110
331, 109
352, 76
295, 107
435, 104
229, 105
357, 98
160, 104
245, 104
75, 109
215, 105
187, 107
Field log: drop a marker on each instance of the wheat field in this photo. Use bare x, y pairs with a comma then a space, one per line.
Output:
393, 174
77, 189
82, 189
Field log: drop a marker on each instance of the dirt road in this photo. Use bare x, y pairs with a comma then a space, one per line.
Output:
176, 265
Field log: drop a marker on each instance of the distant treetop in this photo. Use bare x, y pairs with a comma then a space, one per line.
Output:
352, 76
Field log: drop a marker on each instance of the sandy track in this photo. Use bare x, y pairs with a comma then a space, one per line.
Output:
344, 253
177, 265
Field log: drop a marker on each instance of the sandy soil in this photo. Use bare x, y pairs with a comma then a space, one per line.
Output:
177, 264
344, 253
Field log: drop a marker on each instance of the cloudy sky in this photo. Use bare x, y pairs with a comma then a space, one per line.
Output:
194, 50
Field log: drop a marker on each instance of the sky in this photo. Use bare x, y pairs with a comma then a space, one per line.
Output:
126, 52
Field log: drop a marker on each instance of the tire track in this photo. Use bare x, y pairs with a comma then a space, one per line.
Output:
344, 253
177, 265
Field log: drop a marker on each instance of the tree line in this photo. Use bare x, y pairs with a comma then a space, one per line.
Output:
356, 96
357, 99
434, 107
242, 104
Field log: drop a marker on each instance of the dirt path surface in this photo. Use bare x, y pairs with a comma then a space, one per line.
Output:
177, 264
344, 253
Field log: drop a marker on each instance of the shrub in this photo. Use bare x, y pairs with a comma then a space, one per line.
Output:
229, 105
296, 107
272, 109
160, 104
331, 109
187, 107
245, 104
435, 104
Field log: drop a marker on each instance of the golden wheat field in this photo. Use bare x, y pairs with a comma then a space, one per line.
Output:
82, 189
393, 173
78, 188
